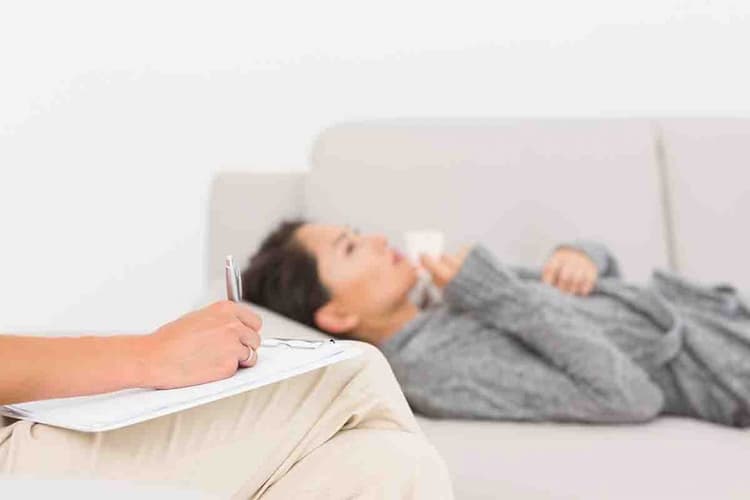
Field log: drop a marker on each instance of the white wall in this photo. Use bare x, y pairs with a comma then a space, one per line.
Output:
113, 116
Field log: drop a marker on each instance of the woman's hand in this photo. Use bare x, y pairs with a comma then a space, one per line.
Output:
203, 346
444, 268
571, 271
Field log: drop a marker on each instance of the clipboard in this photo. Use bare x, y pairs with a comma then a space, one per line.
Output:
104, 412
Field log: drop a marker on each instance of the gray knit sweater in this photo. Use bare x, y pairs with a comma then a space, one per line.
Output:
504, 345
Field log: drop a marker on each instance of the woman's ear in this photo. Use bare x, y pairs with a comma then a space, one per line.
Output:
331, 318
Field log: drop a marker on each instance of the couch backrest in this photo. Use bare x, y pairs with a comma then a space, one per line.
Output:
519, 186
708, 166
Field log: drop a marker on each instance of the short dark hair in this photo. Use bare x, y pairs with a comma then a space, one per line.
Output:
283, 276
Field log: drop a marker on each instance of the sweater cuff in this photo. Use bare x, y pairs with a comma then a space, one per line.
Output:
480, 279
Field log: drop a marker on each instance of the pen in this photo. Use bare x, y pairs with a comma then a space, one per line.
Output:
233, 280
234, 293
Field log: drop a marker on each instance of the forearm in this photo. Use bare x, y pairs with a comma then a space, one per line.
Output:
496, 297
33, 368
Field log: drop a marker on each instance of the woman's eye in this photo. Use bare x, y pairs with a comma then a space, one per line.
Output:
349, 248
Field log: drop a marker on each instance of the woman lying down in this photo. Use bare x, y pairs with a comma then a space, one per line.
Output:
570, 343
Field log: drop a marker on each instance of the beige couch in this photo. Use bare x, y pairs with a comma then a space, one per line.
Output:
666, 193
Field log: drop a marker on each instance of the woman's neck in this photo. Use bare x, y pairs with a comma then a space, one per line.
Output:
378, 330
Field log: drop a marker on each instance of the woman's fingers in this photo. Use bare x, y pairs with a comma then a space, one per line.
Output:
566, 279
580, 282
250, 339
551, 271
571, 272
250, 342
248, 357
591, 278
247, 316
452, 262
441, 272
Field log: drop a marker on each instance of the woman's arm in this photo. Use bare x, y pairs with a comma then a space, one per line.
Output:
620, 390
34, 368
203, 346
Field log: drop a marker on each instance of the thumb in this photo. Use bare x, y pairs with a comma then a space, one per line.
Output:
439, 271
427, 262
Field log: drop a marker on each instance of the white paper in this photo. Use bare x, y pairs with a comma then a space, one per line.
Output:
102, 412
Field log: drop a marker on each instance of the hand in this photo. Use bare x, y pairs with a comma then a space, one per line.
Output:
571, 271
203, 346
444, 268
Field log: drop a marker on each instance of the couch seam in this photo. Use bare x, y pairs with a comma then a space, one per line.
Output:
665, 195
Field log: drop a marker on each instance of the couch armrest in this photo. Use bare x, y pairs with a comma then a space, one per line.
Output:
243, 207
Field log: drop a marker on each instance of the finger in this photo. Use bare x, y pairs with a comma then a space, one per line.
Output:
565, 279
587, 287
440, 272
463, 252
551, 271
250, 319
249, 358
576, 276
427, 261
451, 261
590, 283
580, 282
250, 339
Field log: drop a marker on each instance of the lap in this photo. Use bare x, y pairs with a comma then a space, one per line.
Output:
237, 445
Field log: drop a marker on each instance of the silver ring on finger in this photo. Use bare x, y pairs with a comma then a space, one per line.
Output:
250, 356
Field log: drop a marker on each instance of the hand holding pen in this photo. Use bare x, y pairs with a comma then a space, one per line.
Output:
203, 346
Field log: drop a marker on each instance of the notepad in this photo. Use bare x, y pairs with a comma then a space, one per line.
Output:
103, 412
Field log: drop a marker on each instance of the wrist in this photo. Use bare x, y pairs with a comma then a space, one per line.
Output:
478, 279
138, 370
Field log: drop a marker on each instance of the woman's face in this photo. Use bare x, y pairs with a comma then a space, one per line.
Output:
363, 273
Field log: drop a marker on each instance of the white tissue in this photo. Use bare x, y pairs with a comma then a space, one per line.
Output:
423, 242
428, 242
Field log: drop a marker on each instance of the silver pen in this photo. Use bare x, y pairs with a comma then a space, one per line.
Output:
233, 280
234, 293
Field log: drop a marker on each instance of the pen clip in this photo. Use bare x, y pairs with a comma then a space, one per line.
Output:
231, 276
238, 282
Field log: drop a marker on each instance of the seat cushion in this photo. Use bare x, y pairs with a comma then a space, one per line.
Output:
667, 458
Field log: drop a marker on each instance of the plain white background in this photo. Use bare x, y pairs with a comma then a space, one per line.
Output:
114, 116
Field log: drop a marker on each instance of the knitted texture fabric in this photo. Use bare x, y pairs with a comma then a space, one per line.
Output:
505, 345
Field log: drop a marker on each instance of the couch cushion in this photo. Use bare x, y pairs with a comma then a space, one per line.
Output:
668, 458
707, 161
519, 186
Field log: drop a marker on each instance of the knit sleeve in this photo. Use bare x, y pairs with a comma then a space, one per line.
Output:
621, 389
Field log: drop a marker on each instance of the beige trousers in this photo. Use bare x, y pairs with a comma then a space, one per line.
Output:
344, 431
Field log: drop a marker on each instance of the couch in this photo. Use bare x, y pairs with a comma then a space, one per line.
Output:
667, 193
